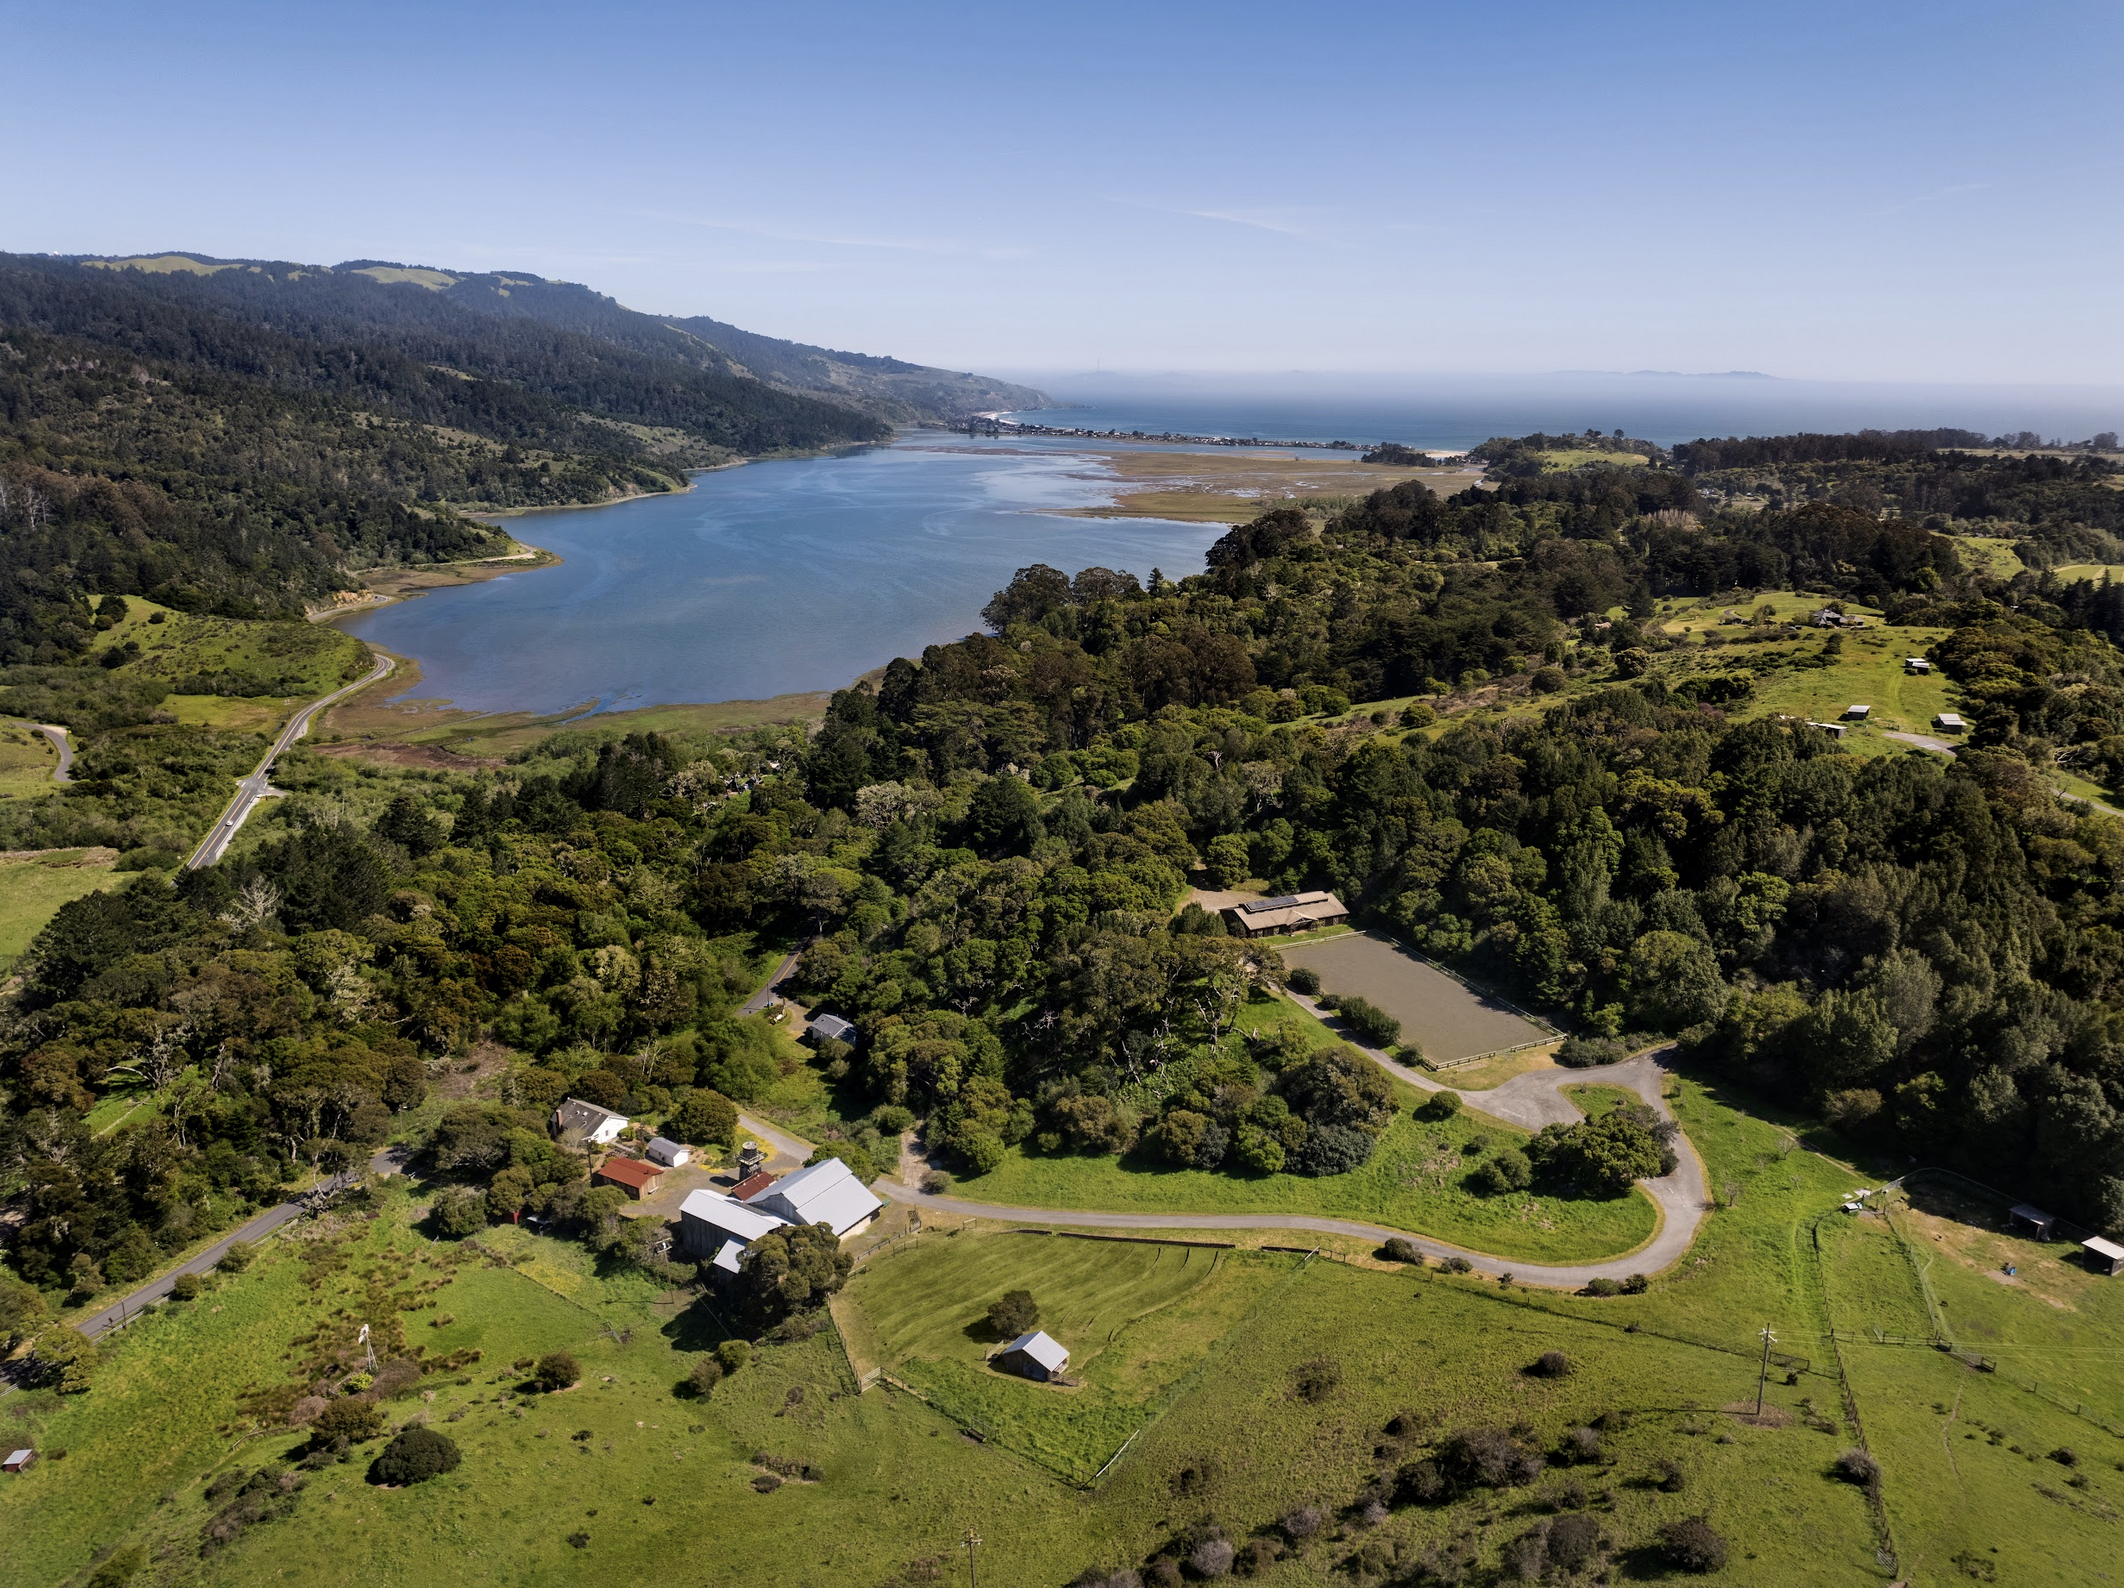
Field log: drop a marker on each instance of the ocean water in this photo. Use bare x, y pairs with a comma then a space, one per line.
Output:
768, 579
1460, 410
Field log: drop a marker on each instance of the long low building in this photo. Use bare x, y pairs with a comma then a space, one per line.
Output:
1289, 912
718, 1228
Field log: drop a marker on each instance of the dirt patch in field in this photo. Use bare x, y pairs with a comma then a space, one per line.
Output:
1975, 1233
468, 1076
431, 757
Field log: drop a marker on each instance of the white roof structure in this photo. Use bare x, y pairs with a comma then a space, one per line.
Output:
2104, 1248
832, 1026
727, 1257
577, 1118
825, 1193
1950, 719
1044, 1349
663, 1150
19, 1457
1858, 711
1917, 664
734, 1220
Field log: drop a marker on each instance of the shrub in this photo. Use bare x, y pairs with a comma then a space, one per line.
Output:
1260, 1554
706, 1373
1417, 715
186, 1287
1012, 1313
1856, 1466
1304, 979
1369, 1023
1667, 1475
1302, 1523
1439, 1105
1526, 1557
937, 1183
1486, 1458
457, 1211
556, 1370
2065, 1456
64, 1359
1579, 1446
1457, 1265
1602, 1287
1211, 1558
1690, 1545
1584, 1052
733, 1354
350, 1418
237, 1258
1334, 1149
1547, 680
705, 1116
1636, 1285
889, 1119
415, 1456
118, 1569
1409, 1053
1508, 1170
1573, 1540
1316, 1380
1421, 1483
1399, 1249
1550, 1364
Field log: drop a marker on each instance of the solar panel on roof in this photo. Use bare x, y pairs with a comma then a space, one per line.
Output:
1283, 902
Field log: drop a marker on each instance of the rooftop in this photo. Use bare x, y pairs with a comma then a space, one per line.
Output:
631, 1171
751, 1186
826, 1192
1284, 901
734, 1219
2102, 1248
1044, 1349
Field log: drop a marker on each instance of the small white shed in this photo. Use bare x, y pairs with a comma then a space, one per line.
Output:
1917, 664
1858, 713
1950, 722
2104, 1257
669, 1153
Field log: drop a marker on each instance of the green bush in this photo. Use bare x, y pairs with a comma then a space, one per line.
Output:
733, 1354
706, 1373
1304, 979
186, 1287
237, 1258
1439, 1105
457, 1211
1584, 1052
1012, 1313
350, 1418
1370, 1024
415, 1456
1506, 1170
705, 1116
1690, 1545
1399, 1249
556, 1370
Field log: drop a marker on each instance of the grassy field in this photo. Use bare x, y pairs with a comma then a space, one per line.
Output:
32, 889
1136, 1319
1259, 1383
288, 659
27, 762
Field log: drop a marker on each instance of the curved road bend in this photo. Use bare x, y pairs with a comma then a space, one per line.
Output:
389, 1161
1530, 1100
255, 787
60, 742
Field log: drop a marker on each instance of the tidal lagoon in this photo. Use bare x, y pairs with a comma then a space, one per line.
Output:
768, 579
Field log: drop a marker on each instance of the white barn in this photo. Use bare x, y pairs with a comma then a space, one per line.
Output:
1034, 1356
717, 1229
826, 1193
582, 1124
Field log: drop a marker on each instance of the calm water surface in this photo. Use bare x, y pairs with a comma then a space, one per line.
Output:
768, 579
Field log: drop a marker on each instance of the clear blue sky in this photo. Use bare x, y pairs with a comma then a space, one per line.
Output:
1843, 190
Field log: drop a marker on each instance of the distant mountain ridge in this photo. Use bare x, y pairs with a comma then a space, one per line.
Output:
890, 389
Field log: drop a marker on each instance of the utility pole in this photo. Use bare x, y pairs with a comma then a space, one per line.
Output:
973, 1542
1769, 1340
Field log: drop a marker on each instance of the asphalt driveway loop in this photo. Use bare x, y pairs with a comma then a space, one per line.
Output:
1447, 1020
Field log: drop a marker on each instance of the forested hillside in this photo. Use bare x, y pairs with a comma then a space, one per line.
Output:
986, 854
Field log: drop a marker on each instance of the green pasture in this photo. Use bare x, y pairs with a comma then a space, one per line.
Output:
290, 659
27, 762
1135, 1318
33, 889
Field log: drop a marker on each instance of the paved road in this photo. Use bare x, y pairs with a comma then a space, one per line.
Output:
784, 1144
1924, 741
1530, 1100
61, 743
255, 787
389, 1161
766, 995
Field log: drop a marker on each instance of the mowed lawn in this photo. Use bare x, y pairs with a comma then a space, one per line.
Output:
1135, 1318
1445, 1018
1415, 1182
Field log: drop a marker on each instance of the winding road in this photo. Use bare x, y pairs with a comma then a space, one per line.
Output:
256, 787
60, 742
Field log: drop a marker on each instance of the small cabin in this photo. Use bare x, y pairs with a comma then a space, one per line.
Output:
1858, 713
18, 1461
1835, 730
631, 1175
2104, 1257
2034, 1221
671, 1154
1950, 722
1035, 1356
1916, 664
830, 1028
